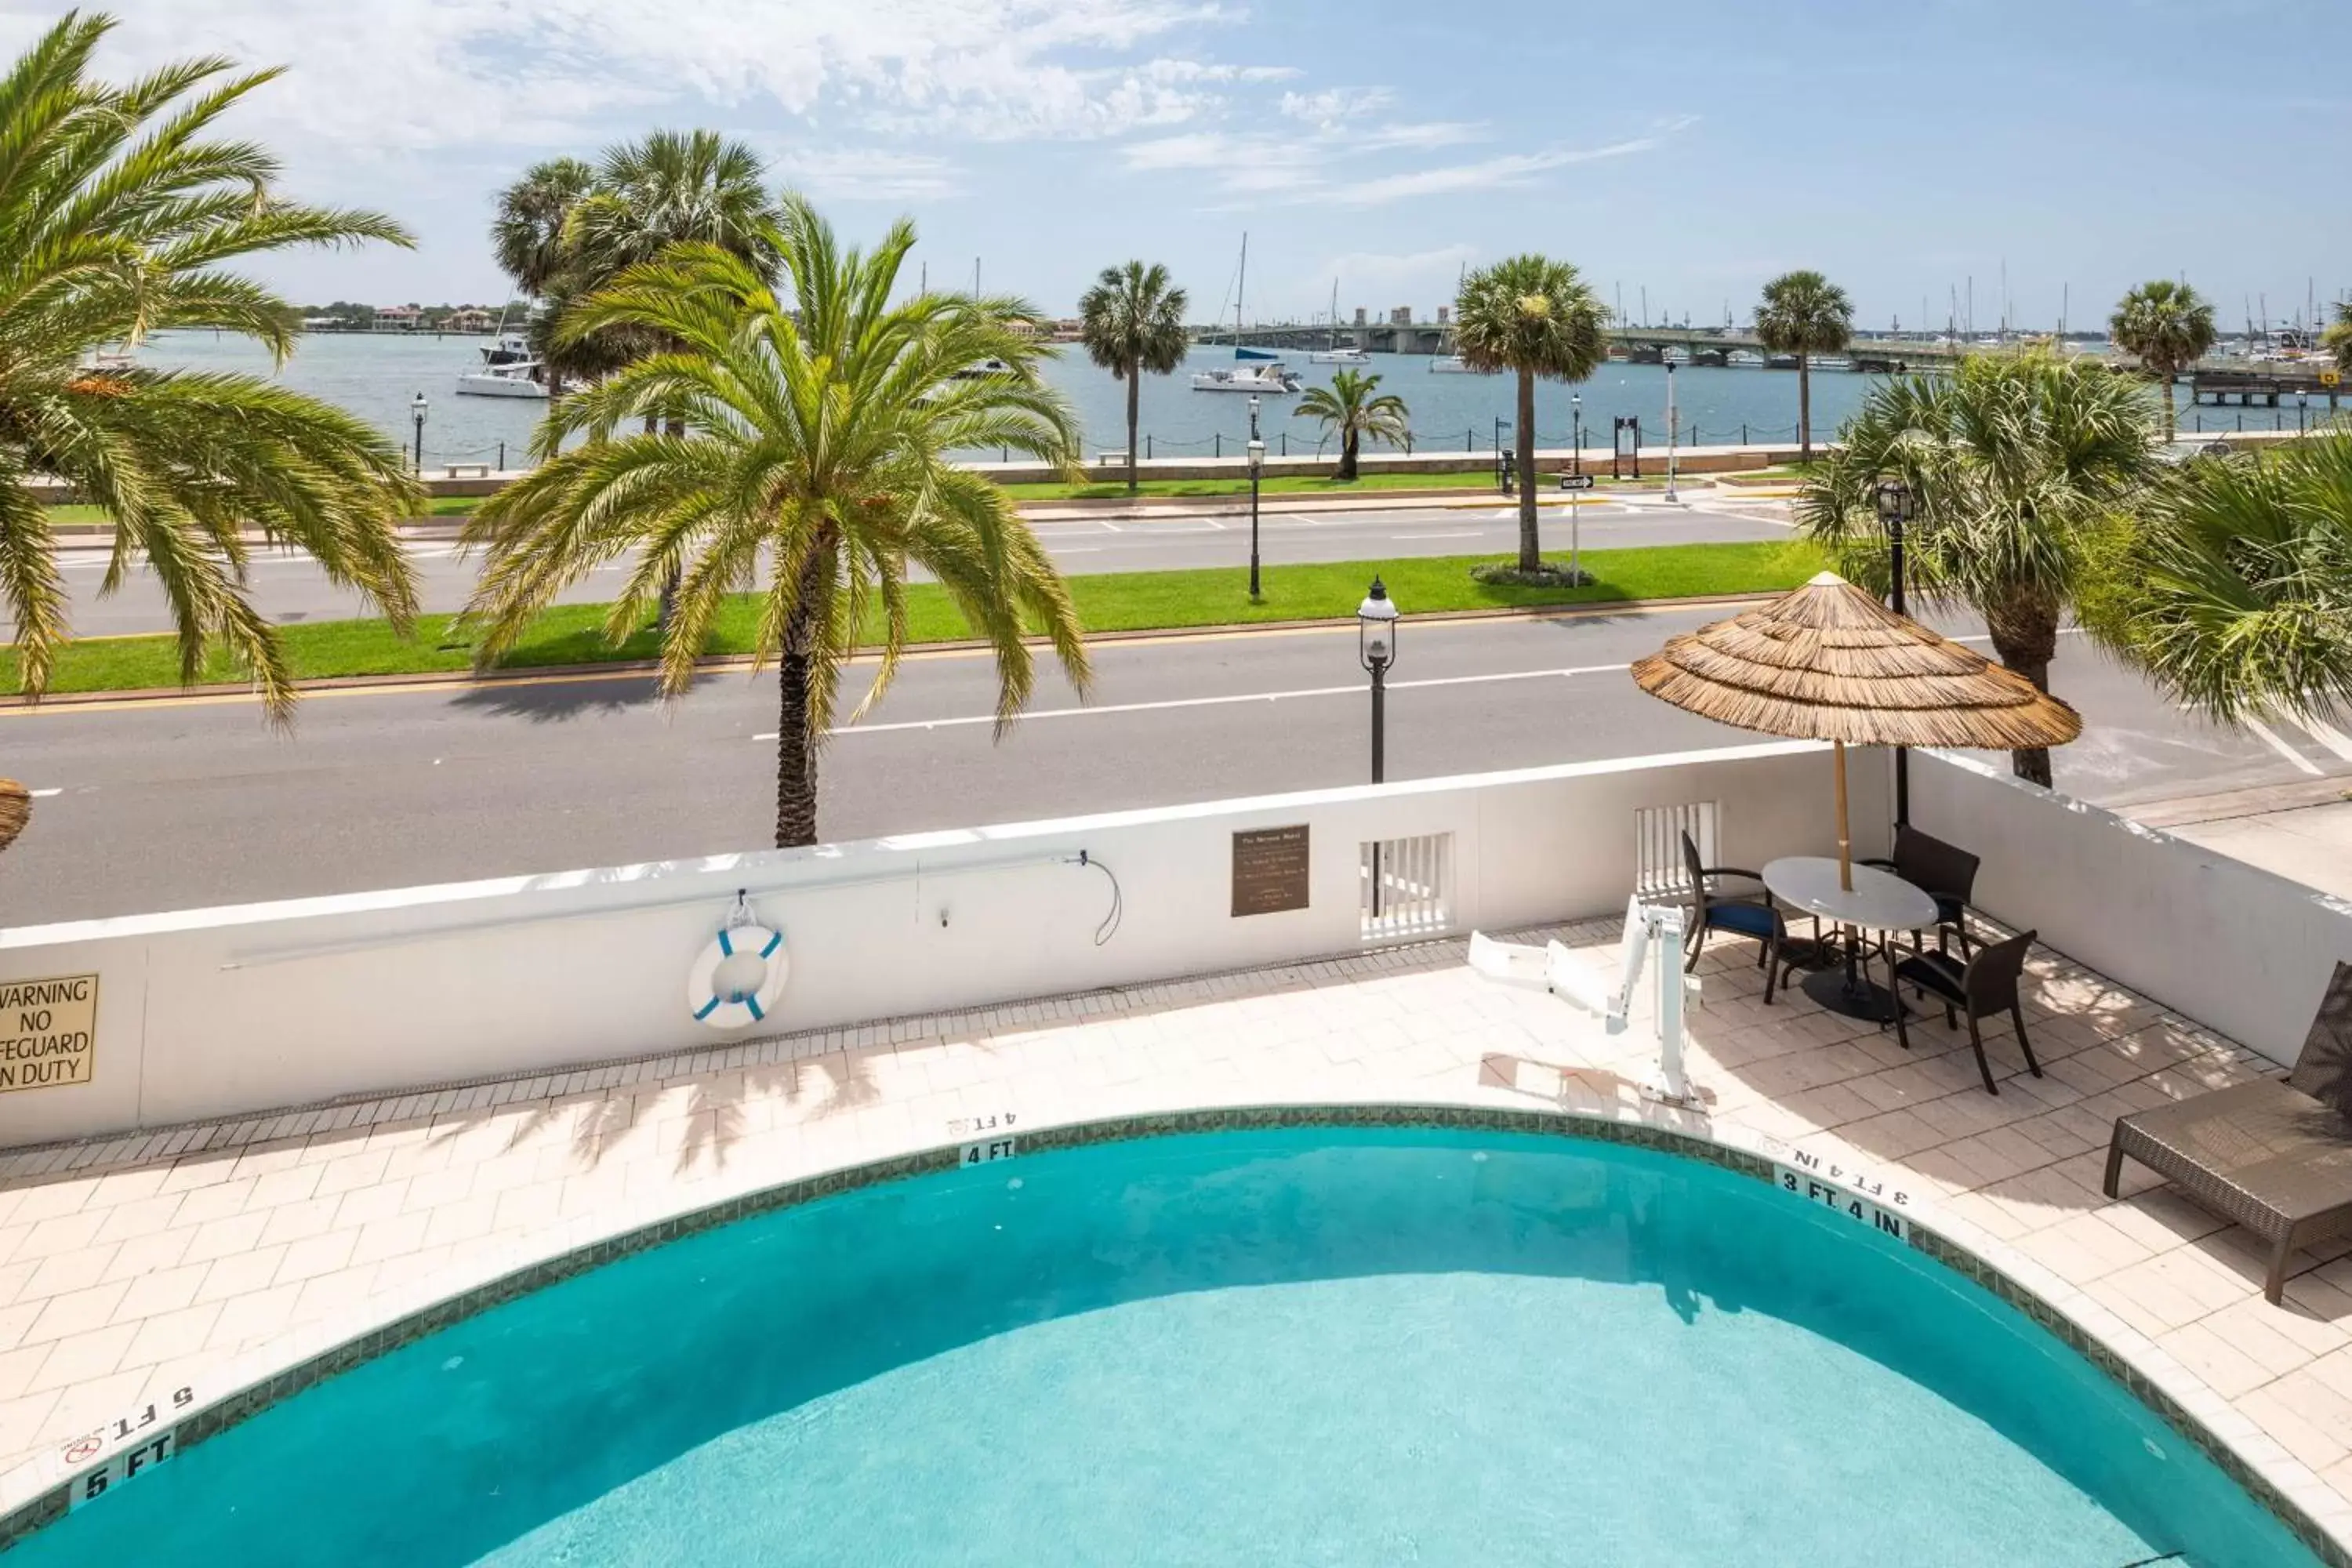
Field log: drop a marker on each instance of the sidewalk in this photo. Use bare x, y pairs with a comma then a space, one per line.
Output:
2302, 831
1172, 509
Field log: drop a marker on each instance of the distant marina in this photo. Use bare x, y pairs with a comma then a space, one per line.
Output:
378, 375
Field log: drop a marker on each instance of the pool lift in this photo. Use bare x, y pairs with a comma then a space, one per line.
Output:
1577, 982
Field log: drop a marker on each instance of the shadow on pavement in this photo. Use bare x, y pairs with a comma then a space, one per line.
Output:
557, 698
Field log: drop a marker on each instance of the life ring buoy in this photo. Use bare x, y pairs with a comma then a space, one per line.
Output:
736, 1009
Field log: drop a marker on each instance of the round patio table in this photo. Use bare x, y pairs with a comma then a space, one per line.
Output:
1879, 903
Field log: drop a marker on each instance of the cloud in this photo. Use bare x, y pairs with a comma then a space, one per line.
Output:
1370, 276
1512, 169
868, 174
426, 74
1422, 134
1332, 105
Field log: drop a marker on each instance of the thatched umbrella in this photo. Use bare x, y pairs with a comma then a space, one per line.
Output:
15, 810
1828, 662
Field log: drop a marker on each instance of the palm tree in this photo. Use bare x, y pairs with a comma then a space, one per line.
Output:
2231, 585
527, 237
527, 234
119, 210
1352, 406
2337, 338
2015, 463
815, 469
664, 189
2169, 327
1132, 321
669, 187
1803, 313
1536, 317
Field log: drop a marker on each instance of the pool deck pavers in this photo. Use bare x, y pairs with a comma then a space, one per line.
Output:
203, 1257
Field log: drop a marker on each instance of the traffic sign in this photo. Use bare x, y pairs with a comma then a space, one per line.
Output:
1576, 481
2330, 377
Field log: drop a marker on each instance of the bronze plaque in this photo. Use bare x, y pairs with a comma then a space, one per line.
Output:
1269, 871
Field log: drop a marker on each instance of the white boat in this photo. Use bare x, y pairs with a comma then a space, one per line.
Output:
1333, 353
1454, 364
1270, 378
508, 369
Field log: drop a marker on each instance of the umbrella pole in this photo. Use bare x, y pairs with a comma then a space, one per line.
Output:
1845, 845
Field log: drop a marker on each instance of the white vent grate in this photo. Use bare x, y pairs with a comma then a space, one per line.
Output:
1407, 886
1659, 872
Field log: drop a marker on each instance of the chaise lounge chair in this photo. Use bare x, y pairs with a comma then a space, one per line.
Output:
2272, 1156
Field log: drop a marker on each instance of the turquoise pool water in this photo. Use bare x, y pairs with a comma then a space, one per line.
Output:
1322, 1346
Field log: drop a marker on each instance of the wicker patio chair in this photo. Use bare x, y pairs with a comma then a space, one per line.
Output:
2272, 1156
1945, 872
1743, 914
1984, 987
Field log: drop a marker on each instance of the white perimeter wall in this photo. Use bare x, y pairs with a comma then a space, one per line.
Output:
216, 1013
2220, 941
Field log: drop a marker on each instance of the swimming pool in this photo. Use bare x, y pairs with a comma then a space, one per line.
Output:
1322, 1345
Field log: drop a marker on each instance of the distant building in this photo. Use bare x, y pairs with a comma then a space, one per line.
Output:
1401, 316
470, 319
1360, 315
1069, 329
398, 318
1445, 314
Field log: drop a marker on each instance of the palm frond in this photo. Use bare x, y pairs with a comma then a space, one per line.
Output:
117, 208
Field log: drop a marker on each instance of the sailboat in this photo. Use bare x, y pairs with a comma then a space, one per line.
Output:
1335, 354
1264, 372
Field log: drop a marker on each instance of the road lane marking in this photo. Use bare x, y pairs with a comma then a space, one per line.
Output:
2329, 736
1457, 534
45, 793
2281, 747
1353, 689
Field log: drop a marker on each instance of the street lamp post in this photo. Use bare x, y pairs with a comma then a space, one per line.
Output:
416, 409
1376, 650
1896, 506
1256, 464
1671, 430
1576, 436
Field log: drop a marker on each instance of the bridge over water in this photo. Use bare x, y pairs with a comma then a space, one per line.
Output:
2221, 380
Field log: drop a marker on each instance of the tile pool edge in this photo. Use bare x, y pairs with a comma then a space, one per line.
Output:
36, 1492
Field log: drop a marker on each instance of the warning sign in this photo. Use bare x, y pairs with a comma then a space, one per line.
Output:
48, 1030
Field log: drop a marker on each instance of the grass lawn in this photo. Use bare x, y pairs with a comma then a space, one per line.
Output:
75, 514
1285, 485
1129, 601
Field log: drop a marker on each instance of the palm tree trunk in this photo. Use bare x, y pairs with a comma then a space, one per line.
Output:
2025, 630
1347, 456
1530, 546
796, 741
796, 757
1134, 372
669, 611
1805, 407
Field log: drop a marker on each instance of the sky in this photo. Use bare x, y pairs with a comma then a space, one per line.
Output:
1681, 153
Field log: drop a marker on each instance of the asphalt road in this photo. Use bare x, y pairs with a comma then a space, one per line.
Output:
179, 804
288, 588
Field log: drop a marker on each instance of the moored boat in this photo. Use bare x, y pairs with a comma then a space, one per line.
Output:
1271, 378
508, 369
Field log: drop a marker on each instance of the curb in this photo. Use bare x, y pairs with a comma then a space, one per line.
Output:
719, 664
